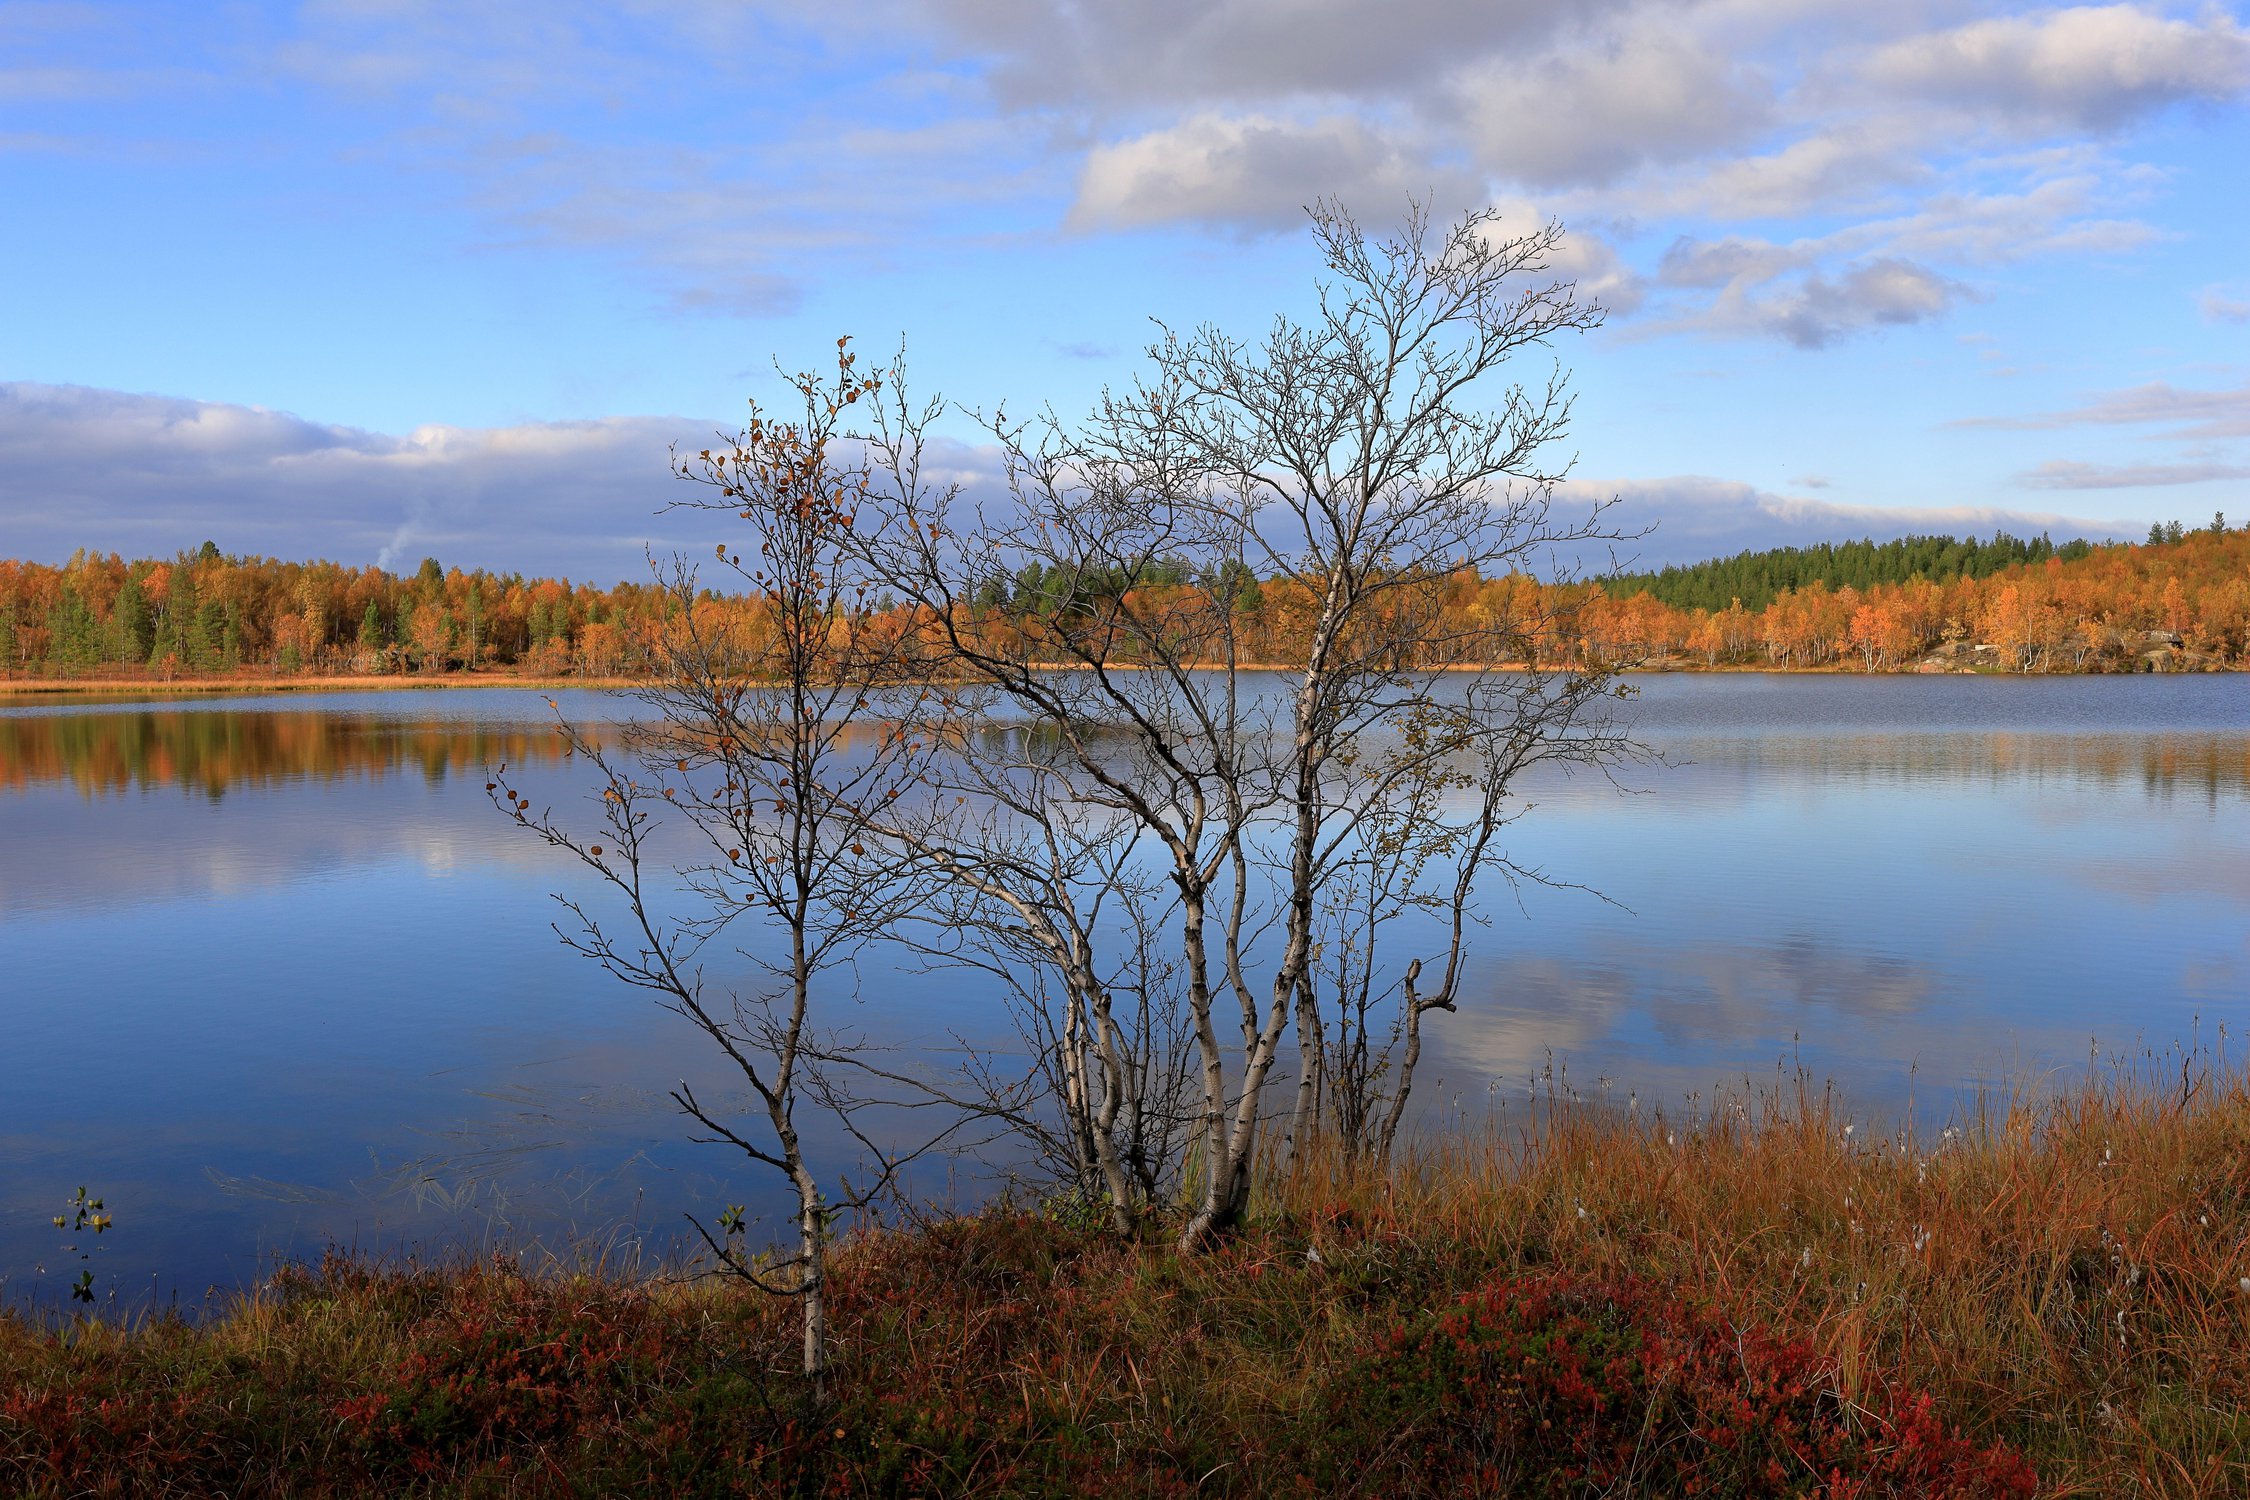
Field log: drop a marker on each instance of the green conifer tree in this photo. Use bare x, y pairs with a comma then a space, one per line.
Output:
73, 633
175, 635
230, 635
133, 623
206, 634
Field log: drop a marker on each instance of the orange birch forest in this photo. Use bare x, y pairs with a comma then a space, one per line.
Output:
2180, 601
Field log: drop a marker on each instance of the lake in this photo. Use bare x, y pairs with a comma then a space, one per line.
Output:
275, 975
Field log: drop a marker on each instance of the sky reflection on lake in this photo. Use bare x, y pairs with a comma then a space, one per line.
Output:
275, 973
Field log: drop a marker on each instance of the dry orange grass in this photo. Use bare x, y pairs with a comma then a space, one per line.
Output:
2070, 1269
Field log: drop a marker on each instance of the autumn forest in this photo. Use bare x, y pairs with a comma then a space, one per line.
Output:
2180, 601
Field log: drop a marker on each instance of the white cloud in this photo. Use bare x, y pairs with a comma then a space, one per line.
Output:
53, 84
1958, 226
1590, 114
1645, 115
2048, 217
741, 229
2220, 304
1054, 53
1857, 164
2064, 474
1886, 270
729, 165
1584, 257
2096, 67
751, 153
2194, 415
149, 475
1820, 311
1731, 261
152, 474
1591, 262
1254, 171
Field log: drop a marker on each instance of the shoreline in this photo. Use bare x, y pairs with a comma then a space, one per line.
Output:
217, 687
1012, 1350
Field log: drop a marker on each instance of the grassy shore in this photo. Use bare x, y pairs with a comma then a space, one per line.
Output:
245, 683
236, 684
1620, 1305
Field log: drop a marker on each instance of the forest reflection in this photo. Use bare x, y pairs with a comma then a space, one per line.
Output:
214, 751
2210, 766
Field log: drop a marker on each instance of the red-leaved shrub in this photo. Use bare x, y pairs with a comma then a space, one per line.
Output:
508, 1359
1553, 1386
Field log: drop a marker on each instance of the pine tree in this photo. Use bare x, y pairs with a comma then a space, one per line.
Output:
205, 634
73, 634
133, 623
230, 635
176, 636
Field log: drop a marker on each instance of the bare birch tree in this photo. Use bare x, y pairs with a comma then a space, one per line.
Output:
1424, 861
772, 739
1353, 462
1048, 899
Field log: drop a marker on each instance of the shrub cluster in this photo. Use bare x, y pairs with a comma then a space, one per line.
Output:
1555, 1385
998, 1355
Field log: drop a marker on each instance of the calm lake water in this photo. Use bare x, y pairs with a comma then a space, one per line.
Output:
275, 975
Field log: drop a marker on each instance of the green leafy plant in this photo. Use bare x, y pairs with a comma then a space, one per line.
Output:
81, 1213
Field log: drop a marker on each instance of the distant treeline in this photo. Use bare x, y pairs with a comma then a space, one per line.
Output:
205, 612
1756, 579
2180, 599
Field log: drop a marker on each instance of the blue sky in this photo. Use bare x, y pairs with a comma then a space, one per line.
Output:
374, 278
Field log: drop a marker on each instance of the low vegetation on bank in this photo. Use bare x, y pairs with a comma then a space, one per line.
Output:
1767, 1299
